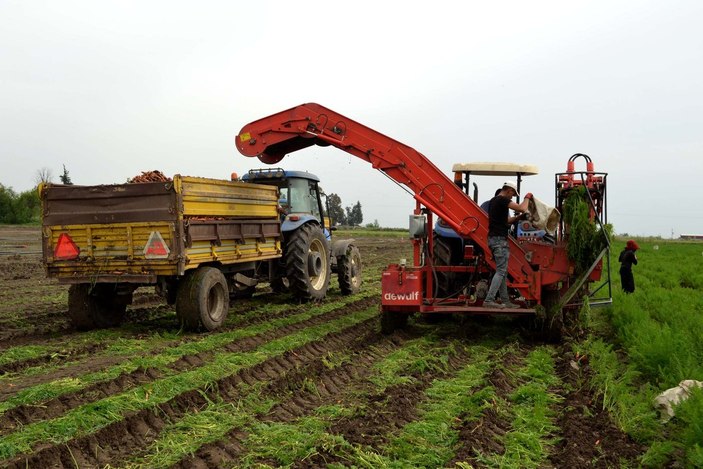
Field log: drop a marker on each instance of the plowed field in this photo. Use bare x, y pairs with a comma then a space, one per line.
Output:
285, 384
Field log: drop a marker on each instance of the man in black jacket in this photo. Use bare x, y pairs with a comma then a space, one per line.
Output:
499, 223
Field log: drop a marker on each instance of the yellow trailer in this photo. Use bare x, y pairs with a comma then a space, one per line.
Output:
197, 240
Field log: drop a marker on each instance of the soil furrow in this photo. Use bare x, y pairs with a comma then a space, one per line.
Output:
55, 356
27, 414
388, 411
588, 435
298, 400
118, 441
484, 436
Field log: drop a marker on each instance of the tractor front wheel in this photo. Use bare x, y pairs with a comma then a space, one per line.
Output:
349, 271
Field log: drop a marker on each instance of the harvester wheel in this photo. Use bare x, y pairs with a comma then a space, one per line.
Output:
349, 271
390, 321
203, 299
551, 323
95, 306
308, 263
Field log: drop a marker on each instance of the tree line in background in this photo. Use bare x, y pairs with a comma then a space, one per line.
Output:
25, 207
349, 216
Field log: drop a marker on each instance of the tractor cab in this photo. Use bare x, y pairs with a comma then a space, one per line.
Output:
300, 196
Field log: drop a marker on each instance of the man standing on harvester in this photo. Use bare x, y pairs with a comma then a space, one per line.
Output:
499, 223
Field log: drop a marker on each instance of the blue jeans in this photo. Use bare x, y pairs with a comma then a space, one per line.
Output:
501, 254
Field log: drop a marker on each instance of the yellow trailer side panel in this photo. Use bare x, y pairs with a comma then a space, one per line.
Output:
219, 198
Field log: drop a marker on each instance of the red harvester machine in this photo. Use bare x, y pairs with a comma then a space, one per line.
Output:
542, 277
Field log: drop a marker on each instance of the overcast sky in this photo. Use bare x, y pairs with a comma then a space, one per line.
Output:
111, 89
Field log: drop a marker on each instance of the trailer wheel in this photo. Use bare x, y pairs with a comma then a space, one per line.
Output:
95, 306
203, 299
308, 263
391, 320
349, 271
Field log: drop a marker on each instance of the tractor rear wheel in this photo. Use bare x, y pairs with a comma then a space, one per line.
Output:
308, 263
96, 306
203, 299
349, 271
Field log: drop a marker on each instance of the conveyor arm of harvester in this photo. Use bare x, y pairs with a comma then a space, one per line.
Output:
273, 137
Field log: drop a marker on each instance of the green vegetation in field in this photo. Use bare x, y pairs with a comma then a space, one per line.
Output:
95, 415
142, 351
659, 328
373, 232
427, 442
530, 407
24, 352
430, 440
286, 442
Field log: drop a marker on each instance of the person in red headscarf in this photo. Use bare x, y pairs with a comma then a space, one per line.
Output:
627, 258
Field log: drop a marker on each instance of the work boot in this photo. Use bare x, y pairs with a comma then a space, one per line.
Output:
492, 304
511, 305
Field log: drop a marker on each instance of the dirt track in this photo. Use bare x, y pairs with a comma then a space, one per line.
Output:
123, 396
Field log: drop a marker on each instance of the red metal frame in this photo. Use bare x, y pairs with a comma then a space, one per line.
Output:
273, 137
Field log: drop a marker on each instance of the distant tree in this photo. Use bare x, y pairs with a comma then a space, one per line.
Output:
354, 215
373, 225
65, 178
43, 175
7, 204
28, 206
336, 212
16, 209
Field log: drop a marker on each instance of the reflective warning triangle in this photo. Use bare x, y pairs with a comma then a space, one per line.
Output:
156, 247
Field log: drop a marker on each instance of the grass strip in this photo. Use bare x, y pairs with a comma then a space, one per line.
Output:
53, 389
93, 416
25, 352
427, 442
531, 406
214, 422
430, 440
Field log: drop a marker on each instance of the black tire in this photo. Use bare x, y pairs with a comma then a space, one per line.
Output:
552, 322
442, 256
203, 299
280, 285
349, 271
390, 321
308, 263
95, 306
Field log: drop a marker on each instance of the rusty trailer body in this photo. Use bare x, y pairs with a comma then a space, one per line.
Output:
107, 240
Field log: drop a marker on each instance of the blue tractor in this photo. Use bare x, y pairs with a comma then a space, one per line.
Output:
310, 255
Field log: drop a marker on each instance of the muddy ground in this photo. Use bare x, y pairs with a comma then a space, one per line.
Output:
300, 381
